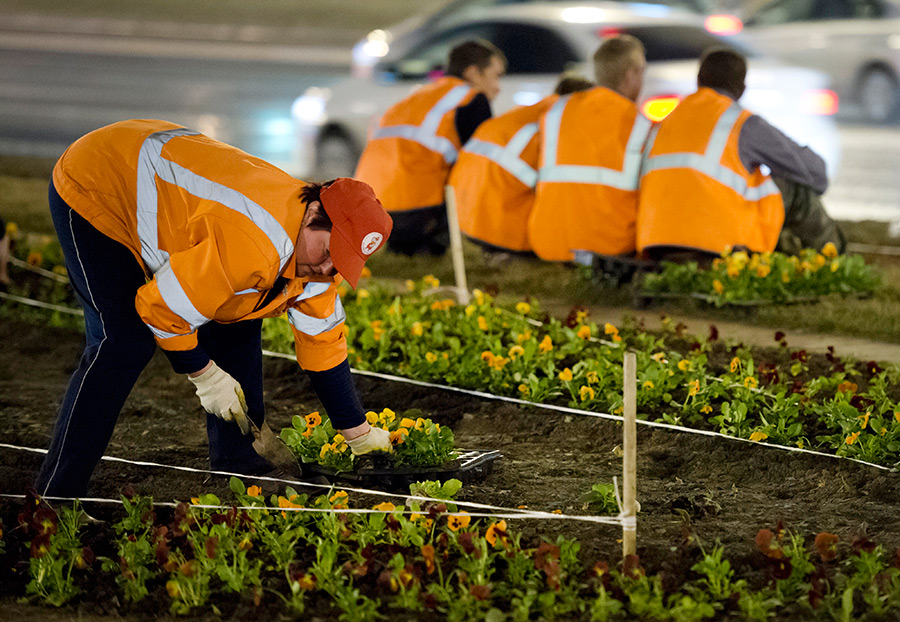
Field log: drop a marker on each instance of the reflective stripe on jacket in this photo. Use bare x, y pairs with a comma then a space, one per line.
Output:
696, 192
586, 196
213, 227
495, 176
409, 155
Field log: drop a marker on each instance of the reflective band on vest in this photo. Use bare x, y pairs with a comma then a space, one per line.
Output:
150, 165
509, 157
709, 162
313, 325
427, 133
626, 179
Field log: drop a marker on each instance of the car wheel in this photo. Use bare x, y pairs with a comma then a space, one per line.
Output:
336, 156
878, 92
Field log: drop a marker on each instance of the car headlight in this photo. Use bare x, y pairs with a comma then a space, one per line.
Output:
376, 45
309, 108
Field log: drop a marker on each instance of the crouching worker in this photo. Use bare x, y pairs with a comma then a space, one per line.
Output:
174, 239
586, 196
495, 175
409, 155
702, 187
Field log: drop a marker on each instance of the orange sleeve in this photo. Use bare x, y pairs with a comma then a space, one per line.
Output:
188, 290
318, 326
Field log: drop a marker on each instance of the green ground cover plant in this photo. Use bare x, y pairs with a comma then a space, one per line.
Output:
294, 554
848, 408
416, 440
739, 278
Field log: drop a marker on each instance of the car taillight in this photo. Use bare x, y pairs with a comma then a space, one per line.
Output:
723, 24
658, 108
823, 102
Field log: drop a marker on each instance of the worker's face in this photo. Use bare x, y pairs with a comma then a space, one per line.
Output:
486, 80
312, 253
634, 77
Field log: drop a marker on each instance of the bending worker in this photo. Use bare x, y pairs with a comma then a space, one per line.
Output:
496, 172
702, 187
175, 239
409, 155
586, 194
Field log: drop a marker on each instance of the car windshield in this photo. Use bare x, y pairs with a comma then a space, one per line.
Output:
667, 43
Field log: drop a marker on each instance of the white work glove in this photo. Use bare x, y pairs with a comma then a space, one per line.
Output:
376, 439
222, 396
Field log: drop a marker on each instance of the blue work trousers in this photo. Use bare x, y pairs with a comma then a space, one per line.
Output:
106, 277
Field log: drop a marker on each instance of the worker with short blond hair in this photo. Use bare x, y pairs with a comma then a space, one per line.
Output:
591, 141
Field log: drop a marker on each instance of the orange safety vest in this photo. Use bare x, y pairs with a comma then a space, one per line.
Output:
696, 192
495, 175
213, 227
409, 154
586, 196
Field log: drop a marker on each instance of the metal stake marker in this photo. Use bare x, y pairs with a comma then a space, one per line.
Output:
459, 265
629, 457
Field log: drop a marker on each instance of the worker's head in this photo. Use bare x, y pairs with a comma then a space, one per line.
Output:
480, 63
572, 83
619, 65
723, 69
344, 223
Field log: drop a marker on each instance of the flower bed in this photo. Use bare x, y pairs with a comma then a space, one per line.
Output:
844, 407
294, 555
765, 278
416, 441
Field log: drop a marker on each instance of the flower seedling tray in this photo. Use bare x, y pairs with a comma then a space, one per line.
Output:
377, 472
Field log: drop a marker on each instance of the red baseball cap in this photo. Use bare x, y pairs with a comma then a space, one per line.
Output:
360, 226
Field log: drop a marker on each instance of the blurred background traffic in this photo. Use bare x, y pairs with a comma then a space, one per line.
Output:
299, 83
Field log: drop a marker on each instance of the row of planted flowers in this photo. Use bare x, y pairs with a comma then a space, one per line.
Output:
267, 555
758, 278
845, 407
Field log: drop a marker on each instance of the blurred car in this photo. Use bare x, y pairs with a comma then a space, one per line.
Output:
400, 38
857, 42
541, 40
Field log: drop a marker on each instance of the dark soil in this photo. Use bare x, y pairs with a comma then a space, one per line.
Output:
713, 489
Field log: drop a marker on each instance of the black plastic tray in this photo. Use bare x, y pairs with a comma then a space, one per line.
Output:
469, 466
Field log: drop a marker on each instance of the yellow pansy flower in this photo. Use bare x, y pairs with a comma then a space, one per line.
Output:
584, 332
417, 329
830, 250
684, 365
758, 436
565, 375
482, 323
387, 506
523, 308
648, 385
523, 389
546, 344
587, 393
515, 352
852, 438
717, 285
750, 382
431, 357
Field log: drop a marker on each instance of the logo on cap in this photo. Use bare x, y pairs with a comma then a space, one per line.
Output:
371, 242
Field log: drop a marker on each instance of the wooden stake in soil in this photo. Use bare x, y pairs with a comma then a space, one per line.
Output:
629, 458
456, 249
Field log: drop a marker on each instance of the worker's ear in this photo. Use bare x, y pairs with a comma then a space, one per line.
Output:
311, 211
471, 74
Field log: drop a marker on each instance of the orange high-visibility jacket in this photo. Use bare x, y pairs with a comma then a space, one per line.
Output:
586, 196
695, 192
212, 227
409, 154
495, 175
